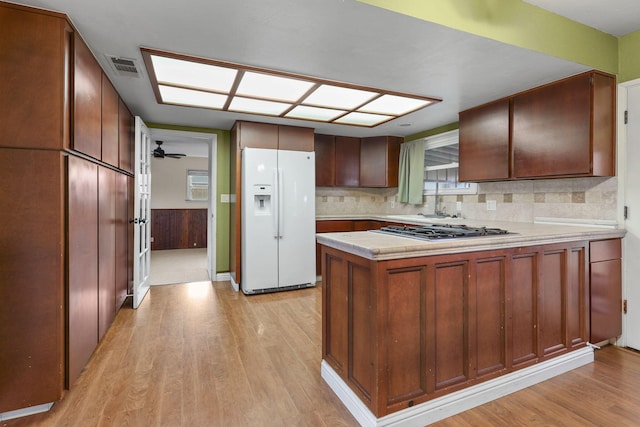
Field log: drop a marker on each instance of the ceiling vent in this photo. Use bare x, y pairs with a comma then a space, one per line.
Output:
124, 66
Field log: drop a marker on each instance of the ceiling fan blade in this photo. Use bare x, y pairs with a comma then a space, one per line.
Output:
175, 155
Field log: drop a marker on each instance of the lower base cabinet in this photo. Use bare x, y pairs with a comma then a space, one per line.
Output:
405, 331
606, 290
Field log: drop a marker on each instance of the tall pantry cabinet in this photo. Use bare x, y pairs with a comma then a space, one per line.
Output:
65, 168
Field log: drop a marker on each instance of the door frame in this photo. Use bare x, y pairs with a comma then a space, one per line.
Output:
622, 166
211, 140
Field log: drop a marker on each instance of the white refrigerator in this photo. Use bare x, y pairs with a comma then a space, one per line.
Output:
278, 220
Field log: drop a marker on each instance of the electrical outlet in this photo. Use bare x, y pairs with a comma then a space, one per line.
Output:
491, 205
459, 206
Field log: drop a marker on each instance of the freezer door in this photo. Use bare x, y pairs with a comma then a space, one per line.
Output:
297, 209
259, 220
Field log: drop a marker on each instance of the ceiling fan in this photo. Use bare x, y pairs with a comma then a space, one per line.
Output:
160, 154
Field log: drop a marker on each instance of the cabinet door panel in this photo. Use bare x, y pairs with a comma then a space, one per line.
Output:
257, 135
325, 149
448, 299
484, 142
335, 312
295, 138
125, 137
551, 129
490, 318
82, 303
379, 157
347, 161
106, 249
606, 300
523, 309
553, 294
577, 297
87, 118
31, 277
362, 321
32, 73
122, 225
109, 122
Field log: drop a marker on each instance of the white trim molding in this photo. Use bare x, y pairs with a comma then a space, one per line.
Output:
460, 401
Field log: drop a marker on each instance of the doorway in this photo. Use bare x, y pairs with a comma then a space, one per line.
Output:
174, 182
629, 200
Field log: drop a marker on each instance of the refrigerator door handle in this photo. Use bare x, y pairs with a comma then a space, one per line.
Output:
276, 196
280, 203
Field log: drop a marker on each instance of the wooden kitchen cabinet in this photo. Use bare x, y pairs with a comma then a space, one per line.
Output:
32, 270
484, 143
87, 101
347, 161
325, 148
404, 331
126, 137
66, 242
35, 112
566, 128
379, 161
562, 129
110, 132
606, 290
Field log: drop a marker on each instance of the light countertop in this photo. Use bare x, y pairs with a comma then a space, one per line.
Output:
379, 246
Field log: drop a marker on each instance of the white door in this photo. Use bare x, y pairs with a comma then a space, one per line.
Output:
142, 213
297, 218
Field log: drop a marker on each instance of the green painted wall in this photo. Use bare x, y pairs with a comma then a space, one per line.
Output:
629, 48
517, 23
222, 187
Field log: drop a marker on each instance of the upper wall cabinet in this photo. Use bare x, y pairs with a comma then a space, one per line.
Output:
563, 129
87, 89
32, 66
125, 137
109, 122
343, 161
379, 161
269, 136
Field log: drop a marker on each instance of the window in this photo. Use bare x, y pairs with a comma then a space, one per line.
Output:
441, 166
197, 185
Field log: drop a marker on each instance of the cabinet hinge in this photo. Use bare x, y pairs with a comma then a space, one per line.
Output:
624, 306
626, 117
625, 212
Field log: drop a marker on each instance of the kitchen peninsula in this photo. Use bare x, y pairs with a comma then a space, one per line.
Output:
414, 330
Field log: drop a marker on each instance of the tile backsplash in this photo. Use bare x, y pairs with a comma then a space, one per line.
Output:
571, 198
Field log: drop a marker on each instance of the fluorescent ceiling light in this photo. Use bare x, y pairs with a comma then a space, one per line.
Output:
267, 86
394, 105
207, 83
362, 119
189, 97
314, 113
338, 97
257, 106
177, 72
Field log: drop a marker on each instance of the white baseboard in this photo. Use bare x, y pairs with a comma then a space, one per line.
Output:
460, 401
234, 285
31, 410
223, 277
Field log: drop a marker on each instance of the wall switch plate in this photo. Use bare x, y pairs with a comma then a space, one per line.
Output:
224, 198
458, 206
491, 205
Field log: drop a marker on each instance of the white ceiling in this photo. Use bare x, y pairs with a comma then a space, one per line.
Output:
341, 40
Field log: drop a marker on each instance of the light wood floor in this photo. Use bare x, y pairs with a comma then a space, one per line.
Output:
202, 355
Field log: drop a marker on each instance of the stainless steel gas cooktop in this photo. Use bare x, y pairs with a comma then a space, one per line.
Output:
439, 231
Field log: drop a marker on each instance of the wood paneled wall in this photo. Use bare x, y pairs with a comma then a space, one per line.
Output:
178, 228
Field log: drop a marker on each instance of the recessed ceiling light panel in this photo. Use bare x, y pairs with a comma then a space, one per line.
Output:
268, 86
189, 97
314, 113
344, 98
394, 105
177, 72
363, 119
257, 106
208, 83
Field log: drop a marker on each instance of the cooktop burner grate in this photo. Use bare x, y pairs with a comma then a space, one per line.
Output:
440, 231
